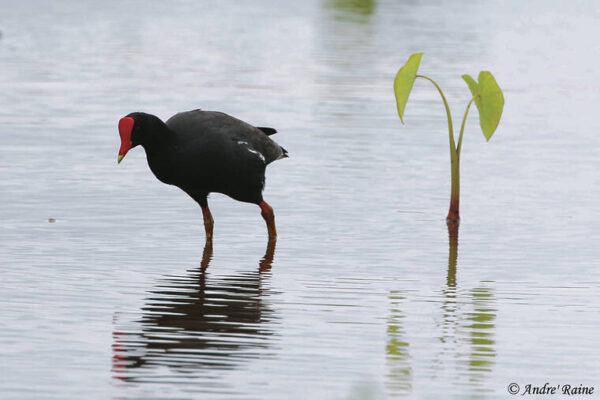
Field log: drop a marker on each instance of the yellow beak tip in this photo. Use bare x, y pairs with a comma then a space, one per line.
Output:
120, 158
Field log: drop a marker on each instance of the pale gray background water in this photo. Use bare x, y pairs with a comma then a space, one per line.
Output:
109, 300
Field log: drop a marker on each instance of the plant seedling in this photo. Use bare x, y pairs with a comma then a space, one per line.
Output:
487, 97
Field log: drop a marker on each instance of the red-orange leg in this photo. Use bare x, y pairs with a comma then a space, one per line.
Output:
208, 223
269, 217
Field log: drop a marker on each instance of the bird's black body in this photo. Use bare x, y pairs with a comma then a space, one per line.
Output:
206, 151
203, 152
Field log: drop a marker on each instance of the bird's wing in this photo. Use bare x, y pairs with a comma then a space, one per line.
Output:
208, 126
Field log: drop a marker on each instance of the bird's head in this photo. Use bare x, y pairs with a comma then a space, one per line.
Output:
131, 130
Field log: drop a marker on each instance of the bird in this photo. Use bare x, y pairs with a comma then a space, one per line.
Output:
202, 152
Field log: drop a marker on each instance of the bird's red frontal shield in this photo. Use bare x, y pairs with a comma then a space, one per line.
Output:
125, 129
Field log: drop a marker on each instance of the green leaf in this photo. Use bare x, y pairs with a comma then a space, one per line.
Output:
473, 86
403, 83
489, 101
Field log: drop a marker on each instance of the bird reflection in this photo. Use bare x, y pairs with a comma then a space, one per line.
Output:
197, 324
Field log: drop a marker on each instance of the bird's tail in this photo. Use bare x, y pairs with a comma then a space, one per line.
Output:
267, 131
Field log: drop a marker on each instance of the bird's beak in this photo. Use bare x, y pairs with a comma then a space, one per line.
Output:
125, 147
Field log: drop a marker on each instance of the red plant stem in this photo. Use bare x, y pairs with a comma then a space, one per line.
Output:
453, 214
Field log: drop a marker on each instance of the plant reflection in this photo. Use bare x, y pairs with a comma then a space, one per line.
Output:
195, 324
399, 379
479, 322
467, 321
449, 326
361, 7
482, 335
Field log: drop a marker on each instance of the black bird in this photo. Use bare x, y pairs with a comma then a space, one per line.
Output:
206, 151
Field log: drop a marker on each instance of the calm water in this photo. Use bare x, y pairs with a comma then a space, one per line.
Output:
364, 296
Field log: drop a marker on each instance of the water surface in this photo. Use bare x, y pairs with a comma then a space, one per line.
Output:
107, 289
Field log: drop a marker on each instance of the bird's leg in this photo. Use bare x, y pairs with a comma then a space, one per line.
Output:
208, 223
208, 219
269, 217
